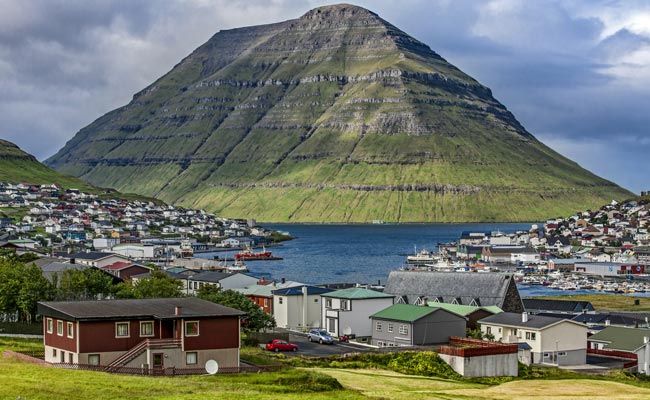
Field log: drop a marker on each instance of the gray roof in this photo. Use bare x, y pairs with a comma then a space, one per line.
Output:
515, 320
570, 306
209, 276
52, 268
488, 289
134, 309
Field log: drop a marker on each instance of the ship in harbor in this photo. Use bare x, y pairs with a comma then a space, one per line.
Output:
248, 255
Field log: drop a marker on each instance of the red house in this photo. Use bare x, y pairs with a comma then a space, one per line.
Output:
141, 333
125, 270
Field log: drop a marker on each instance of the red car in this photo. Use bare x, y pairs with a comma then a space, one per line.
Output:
281, 345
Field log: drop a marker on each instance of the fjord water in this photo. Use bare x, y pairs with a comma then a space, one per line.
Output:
364, 253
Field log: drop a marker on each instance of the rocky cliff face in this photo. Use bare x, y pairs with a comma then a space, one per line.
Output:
335, 116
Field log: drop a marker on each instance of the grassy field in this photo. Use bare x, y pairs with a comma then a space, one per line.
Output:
35, 382
608, 302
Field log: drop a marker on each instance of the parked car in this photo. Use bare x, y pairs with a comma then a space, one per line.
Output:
280, 345
320, 335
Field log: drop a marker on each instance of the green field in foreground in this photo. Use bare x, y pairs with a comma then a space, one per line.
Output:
36, 382
608, 302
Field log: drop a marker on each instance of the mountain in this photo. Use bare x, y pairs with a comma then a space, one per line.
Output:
336, 116
16, 166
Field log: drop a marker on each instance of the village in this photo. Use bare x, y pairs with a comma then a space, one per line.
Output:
477, 322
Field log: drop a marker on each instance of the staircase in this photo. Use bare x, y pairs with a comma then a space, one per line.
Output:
141, 348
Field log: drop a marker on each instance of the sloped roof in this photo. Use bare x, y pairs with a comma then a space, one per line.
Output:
209, 276
257, 290
356, 293
135, 309
404, 312
621, 338
557, 305
489, 288
462, 309
515, 320
297, 290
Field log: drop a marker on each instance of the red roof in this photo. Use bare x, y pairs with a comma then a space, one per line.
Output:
118, 265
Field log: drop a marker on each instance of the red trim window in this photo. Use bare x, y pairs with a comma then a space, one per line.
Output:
70, 330
191, 328
59, 328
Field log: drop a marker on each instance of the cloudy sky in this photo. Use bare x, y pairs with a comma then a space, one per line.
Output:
576, 73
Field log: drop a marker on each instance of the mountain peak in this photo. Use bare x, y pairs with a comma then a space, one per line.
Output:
336, 116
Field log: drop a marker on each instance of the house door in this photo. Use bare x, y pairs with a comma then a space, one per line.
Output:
158, 363
331, 326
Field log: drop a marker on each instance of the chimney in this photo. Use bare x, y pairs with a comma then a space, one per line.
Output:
178, 310
524, 317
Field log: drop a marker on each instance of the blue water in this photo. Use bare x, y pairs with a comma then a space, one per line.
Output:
355, 253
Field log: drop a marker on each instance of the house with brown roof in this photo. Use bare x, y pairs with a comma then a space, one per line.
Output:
151, 334
125, 270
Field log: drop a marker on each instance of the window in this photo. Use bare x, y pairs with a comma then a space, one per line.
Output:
50, 325
530, 335
488, 330
378, 326
62, 354
70, 330
93, 359
380, 343
122, 329
547, 355
266, 302
562, 354
70, 358
345, 305
59, 328
53, 352
390, 327
146, 328
328, 303
279, 300
403, 329
190, 358
191, 328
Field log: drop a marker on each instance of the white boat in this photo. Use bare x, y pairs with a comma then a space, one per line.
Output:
422, 257
238, 266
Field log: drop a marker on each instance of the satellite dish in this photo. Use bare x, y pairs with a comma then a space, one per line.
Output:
211, 367
347, 330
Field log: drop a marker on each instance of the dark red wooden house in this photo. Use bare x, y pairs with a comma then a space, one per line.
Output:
141, 333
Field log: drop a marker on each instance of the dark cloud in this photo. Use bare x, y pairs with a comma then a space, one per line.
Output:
574, 73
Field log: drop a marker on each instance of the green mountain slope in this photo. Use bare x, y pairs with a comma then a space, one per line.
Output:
16, 166
337, 116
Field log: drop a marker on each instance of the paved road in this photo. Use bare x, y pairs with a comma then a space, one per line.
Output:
315, 349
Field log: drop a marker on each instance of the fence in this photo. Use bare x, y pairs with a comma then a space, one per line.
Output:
170, 371
21, 328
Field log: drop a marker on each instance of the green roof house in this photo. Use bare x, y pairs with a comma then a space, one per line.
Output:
627, 340
408, 325
346, 311
471, 313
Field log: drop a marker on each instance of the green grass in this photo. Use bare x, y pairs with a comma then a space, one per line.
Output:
608, 302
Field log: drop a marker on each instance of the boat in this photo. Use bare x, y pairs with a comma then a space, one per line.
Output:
423, 257
186, 250
247, 255
238, 266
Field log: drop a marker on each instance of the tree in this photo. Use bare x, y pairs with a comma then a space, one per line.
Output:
86, 284
21, 287
158, 284
255, 319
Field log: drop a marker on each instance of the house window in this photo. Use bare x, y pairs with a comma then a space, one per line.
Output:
70, 358
488, 330
53, 352
279, 300
70, 330
191, 328
403, 329
93, 359
530, 335
390, 328
380, 343
50, 325
59, 328
378, 326
122, 329
190, 358
266, 302
345, 305
547, 355
315, 300
328, 303
146, 328
562, 354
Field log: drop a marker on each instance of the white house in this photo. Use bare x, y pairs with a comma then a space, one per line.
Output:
347, 311
554, 341
298, 307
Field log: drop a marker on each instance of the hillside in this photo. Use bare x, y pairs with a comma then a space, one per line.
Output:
336, 116
16, 166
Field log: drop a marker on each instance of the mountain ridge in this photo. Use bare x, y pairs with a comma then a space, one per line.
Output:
337, 116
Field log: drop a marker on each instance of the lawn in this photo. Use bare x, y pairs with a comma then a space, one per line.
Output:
610, 302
